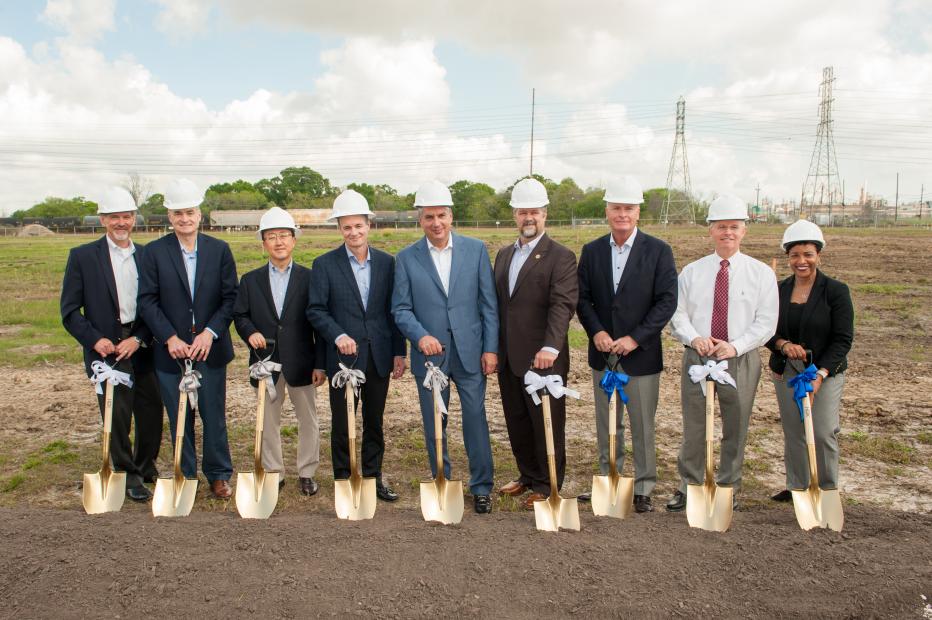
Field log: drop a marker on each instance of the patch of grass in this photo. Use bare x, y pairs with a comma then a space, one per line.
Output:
56, 452
884, 449
12, 483
924, 437
578, 339
289, 431
757, 466
880, 289
894, 472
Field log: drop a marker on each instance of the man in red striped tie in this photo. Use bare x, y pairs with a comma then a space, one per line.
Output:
727, 308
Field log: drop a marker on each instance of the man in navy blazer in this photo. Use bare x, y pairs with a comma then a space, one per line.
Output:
349, 303
444, 303
187, 289
98, 308
627, 294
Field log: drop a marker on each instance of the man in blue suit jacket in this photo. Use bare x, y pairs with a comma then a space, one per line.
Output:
444, 303
186, 295
349, 304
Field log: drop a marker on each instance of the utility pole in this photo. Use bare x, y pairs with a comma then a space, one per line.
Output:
757, 202
823, 179
678, 209
896, 201
921, 194
532, 130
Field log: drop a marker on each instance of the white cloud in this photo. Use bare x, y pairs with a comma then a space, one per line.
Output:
82, 20
180, 18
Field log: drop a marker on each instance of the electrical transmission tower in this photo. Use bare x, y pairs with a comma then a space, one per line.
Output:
823, 185
677, 205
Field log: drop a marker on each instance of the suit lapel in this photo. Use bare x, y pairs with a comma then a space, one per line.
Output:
177, 259
106, 267
201, 262
635, 254
503, 268
422, 253
537, 254
343, 264
455, 263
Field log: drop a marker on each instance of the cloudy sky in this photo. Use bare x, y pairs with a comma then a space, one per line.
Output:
398, 91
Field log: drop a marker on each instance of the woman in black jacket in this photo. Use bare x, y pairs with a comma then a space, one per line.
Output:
815, 314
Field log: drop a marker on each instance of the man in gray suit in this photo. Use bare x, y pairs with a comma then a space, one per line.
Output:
444, 303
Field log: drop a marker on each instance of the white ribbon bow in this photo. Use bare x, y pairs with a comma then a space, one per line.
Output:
104, 372
346, 374
190, 382
263, 369
436, 382
718, 371
553, 384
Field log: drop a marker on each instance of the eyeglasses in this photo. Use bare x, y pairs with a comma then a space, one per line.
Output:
273, 237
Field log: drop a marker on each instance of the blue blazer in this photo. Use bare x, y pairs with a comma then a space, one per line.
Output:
467, 317
334, 307
642, 306
89, 285
165, 301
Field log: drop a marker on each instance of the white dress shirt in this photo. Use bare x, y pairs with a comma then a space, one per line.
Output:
126, 277
518, 258
443, 261
753, 301
620, 254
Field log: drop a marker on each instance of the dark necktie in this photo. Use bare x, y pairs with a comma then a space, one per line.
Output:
720, 304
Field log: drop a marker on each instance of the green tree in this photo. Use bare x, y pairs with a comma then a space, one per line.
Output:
293, 181
59, 207
236, 200
154, 204
472, 201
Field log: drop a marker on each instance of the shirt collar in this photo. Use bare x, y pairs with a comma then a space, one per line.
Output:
629, 242
184, 251
352, 256
433, 248
115, 248
530, 245
286, 270
735, 257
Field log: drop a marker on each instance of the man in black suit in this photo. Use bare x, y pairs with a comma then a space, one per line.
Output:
187, 288
627, 294
98, 308
349, 304
272, 303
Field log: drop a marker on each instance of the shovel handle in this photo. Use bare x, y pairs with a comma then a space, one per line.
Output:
350, 411
810, 441
179, 430
709, 427
260, 426
108, 425
438, 434
548, 424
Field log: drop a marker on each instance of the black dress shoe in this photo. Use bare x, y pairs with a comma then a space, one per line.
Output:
678, 503
385, 493
642, 504
139, 494
734, 503
482, 504
584, 497
150, 479
281, 483
783, 496
308, 486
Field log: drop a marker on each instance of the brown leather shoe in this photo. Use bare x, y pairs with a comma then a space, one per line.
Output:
528, 503
513, 488
221, 489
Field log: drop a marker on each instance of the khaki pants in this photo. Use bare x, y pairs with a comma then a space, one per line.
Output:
305, 409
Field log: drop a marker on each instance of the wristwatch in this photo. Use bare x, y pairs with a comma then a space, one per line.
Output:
822, 373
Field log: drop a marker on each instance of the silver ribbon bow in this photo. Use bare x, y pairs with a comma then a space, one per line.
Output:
436, 381
553, 384
346, 374
263, 369
104, 372
718, 371
190, 382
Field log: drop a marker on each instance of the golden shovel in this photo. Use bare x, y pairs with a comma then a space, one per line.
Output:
257, 492
174, 496
441, 499
816, 507
105, 490
554, 513
708, 506
354, 499
612, 495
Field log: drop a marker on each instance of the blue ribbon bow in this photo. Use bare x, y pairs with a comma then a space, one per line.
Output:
613, 380
802, 385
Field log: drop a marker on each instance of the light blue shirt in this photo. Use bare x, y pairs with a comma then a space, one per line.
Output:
278, 280
363, 274
190, 264
520, 256
620, 254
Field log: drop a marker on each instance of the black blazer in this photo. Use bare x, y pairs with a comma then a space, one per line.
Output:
165, 301
89, 285
297, 347
642, 306
335, 307
827, 325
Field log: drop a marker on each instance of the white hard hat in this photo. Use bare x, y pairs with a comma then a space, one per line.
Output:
276, 217
529, 193
433, 194
803, 231
115, 200
627, 191
727, 207
182, 194
350, 202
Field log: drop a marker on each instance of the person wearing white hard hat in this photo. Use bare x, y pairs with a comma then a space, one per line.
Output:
535, 278
727, 307
349, 304
187, 288
814, 335
444, 303
98, 308
270, 306
627, 294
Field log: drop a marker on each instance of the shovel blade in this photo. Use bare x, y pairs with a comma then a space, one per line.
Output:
103, 493
174, 497
256, 494
612, 500
554, 513
442, 502
709, 506
818, 508
354, 500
